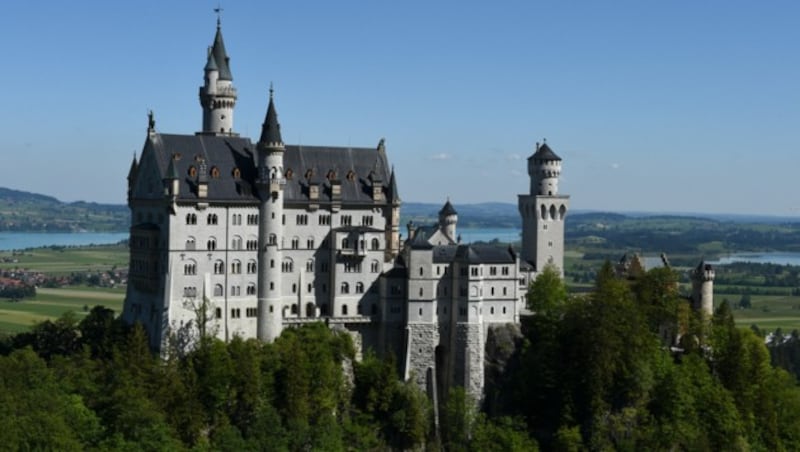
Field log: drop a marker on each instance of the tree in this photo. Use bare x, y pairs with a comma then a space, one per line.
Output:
548, 292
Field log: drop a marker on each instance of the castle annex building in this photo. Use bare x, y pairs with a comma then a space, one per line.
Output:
231, 237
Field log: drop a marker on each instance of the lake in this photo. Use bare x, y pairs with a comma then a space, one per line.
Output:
504, 235
776, 257
22, 240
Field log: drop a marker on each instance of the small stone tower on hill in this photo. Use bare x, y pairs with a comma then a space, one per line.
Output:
543, 211
703, 288
448, 218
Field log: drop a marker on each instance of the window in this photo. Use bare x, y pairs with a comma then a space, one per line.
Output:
191, 218
218, 290
295, 243
236, 291
192, 172
324, 220
344, 309
359, 287
252, 245
211, 245
301, 219
218, 313
346, 220
219, 267
211, 219
366, 220
236, 243
251, 289
215, 172
294, 308
505, 290
345, 243
345, 288
190, 245
492, 271
236, 313
310, 265
251, 312
294, 288
352, 267
236, 267
287, 266
374, 267
323, 267
252, 267
273, 239
190, 292
505, 271
375, 244
252, 219
474, 271
190, 269
421, 271
237, 174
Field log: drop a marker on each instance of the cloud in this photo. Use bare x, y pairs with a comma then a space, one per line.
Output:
440, 156
514, 157
615, 166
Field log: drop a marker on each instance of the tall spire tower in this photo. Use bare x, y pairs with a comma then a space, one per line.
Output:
270, 185
217, 95
543, 211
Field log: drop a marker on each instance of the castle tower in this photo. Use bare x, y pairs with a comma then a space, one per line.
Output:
448, 218
703, 288
543, 211
393, 231
270, 185
217, 95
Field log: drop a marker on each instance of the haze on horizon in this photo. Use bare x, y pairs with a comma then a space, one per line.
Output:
671, 106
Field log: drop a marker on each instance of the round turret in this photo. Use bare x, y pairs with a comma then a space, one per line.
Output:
448, 218
703, 288
544, 169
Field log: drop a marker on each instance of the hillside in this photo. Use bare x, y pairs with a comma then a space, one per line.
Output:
22, 211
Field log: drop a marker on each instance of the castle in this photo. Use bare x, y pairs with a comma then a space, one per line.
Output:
235, 238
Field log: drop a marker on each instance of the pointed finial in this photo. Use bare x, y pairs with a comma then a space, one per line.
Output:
151, 121
271, 91
544, 140
537, 145
218, 10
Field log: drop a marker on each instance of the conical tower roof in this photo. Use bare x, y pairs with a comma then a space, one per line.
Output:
221, 56
394, 196
271, 129
544, 152
448, 209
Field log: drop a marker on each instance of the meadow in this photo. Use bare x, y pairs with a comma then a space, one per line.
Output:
51, 303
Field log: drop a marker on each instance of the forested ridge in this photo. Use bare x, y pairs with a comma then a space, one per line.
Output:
594, 372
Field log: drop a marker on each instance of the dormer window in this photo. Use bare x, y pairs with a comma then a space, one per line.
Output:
192, 171
289, 174
331, 175
215, 172
236, 173
309, 173
351, 175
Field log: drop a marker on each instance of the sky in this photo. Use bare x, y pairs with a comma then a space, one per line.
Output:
663, 106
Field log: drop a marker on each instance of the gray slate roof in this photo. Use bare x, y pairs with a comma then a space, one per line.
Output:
545, 153
473, 254
221, 57
448, 209
228, 152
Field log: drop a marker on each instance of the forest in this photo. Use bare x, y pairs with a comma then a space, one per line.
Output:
598, 371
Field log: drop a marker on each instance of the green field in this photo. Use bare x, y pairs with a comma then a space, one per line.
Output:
50, 304
63, 261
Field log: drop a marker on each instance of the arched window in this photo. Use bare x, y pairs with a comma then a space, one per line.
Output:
562, 211
251, 289
375, 244
543, 212
236, 173
190, 245
345, 287
294, 308
236, 243
211, 245
273, 239
311, 310
236, 267
218, 290
359, 287
552, 212
375, 267
215, 172
344, 309
310, 265
219, 267
345, 243
287, 266
295, 243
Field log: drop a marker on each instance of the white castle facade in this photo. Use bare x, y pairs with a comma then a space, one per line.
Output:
235, 238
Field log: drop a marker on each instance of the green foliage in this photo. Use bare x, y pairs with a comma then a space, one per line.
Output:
548, 292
